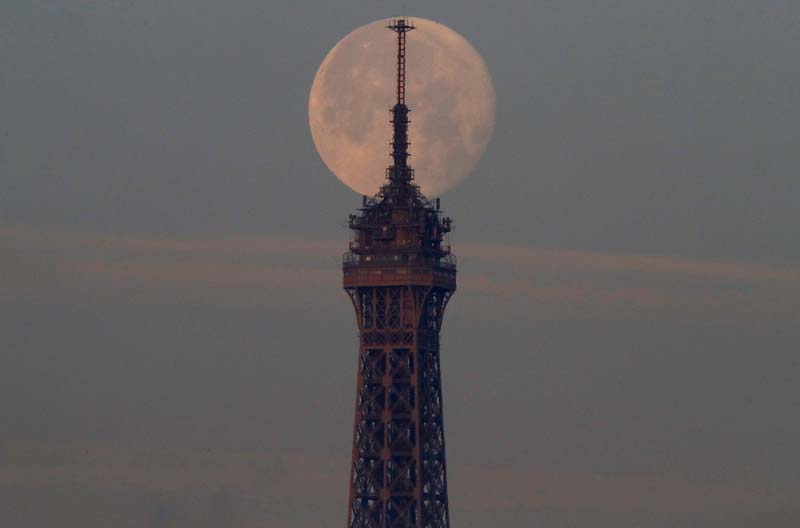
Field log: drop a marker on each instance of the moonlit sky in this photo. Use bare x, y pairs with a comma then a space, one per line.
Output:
176, 350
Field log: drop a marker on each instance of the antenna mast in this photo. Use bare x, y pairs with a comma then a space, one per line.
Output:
400, 171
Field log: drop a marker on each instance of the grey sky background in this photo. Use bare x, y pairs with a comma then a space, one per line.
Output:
175, 348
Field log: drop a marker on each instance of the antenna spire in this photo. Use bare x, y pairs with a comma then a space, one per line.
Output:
400, 171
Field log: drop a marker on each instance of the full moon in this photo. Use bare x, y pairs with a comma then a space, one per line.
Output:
448, 89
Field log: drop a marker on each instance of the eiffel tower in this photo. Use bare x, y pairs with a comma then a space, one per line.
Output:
399, 273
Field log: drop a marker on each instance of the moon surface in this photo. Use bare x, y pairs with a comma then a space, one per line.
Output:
448, 89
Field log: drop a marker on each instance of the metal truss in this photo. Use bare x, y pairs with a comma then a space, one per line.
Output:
398, 476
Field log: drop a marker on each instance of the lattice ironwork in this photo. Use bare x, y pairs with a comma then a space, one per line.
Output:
399, 475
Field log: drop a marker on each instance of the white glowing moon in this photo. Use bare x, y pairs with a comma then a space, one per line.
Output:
449, 92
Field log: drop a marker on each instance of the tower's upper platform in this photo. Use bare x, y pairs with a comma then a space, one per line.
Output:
399, 237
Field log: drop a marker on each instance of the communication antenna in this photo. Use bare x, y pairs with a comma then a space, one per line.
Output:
401, 27
400, 170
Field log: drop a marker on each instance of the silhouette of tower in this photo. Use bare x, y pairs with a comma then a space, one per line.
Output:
399, 273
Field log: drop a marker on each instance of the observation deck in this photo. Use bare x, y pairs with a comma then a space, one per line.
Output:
399, 238
398, 270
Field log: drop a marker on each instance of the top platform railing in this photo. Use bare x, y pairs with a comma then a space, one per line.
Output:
351, 260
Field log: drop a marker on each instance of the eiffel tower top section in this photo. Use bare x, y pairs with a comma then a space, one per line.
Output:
399, 227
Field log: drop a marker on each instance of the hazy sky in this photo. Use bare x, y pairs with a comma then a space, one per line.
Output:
175, 347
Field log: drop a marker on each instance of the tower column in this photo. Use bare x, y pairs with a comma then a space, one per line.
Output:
398, 475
